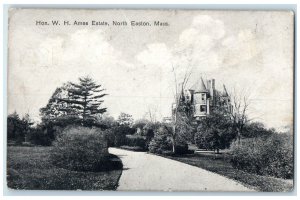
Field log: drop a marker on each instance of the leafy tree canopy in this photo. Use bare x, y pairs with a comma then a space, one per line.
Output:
125, 119
215, 131
18, 127
82, 100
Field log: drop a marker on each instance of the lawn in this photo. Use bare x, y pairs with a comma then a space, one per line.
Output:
29, 168
220, 164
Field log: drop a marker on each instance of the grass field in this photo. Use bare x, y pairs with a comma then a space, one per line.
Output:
220, 165
29, 168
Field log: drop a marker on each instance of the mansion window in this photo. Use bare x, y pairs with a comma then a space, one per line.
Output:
202, 108
203, 97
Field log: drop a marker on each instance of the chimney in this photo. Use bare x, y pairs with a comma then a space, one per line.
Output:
208, 84
213, 84
213, 99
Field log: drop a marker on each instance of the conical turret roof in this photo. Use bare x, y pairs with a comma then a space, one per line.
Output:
199, 86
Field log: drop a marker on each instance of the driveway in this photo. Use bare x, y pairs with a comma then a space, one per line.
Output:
147, 172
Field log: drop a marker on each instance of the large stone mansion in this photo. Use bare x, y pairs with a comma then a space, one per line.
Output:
204, 98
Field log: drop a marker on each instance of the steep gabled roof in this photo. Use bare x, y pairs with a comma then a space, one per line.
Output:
199, 86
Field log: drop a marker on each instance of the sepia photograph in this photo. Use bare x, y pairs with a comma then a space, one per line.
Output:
152, 100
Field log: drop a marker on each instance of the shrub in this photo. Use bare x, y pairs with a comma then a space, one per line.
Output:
182, 148
148, 132
40, 137
136, 141
214, 132
81, 149
110, 137
160, 142
120, 133
271, 155
256, 129
106, 121
132, 148
44, 134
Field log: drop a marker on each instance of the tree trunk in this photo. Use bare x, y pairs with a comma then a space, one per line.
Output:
173, 147
84, 110
239, 137
174, 140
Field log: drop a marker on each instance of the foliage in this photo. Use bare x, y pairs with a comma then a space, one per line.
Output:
220, 164
182, 148
125, 120
124, 135
18, 128
42, 135
136, 141
110, 137
214, 132
182, 128
148, 132
81, 149
46, 131
272, 155
120, 133
86, 98
132, 148
141, 123
105, 121
56, 108
256, 129
239, 113
150, 128
81, 100
161, 141
15, 127
139, 135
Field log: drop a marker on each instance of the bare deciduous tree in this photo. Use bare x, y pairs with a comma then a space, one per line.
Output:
239, 114
176, 121
152, 114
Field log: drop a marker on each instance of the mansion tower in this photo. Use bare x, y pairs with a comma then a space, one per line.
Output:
204, 98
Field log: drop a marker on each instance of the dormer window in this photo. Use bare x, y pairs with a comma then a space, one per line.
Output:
203, 97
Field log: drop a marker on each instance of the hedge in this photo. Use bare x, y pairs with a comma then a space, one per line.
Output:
81, 149
271, 155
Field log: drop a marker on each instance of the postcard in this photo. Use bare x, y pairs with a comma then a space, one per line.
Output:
150, 100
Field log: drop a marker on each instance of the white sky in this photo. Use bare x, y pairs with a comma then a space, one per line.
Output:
249, 51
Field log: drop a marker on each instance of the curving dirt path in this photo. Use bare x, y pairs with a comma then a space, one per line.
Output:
147, 172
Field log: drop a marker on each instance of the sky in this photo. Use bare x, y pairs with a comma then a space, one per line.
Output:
251, 52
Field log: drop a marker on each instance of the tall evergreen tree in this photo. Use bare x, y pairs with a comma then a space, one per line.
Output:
85, 98
18, 128
82, 100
